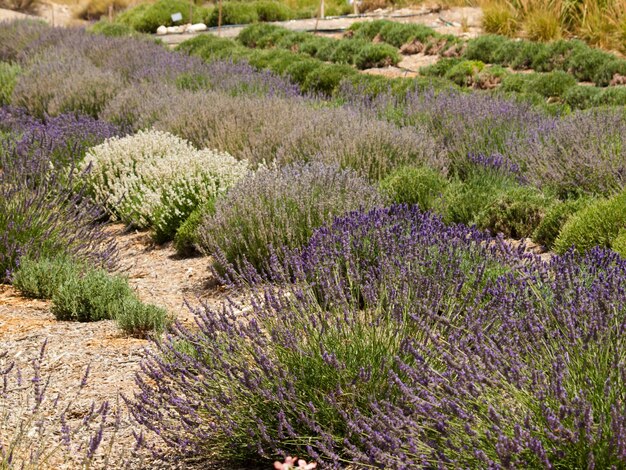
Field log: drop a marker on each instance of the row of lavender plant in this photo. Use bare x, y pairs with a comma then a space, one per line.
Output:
394, 341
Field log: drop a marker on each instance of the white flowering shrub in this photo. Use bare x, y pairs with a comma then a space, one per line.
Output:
155, 179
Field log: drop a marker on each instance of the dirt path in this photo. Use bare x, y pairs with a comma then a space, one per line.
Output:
158, 276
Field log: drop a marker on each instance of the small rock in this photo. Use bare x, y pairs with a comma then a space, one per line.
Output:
196, 28
161, 30
175, 29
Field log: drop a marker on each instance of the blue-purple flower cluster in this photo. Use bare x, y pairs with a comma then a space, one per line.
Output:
394, 341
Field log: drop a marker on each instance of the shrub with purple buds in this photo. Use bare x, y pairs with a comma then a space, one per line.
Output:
280, 207
394, 341
42, 214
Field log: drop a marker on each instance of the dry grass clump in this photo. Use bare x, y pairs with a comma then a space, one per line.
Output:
19, 5
599, 22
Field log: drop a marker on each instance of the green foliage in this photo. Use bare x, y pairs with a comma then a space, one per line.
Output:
359, 52
485, 48
398, 34
81, 293
515, 212
140, 320
556, 216
298, 71
415, 185
94, 296
106, 28
551, 84
268, 10
580, 97
234, 13
367, 29
585, 62
186, 239
9, 74
597, 224
464, 200
464, 73
40, 279
619, 244
209, 47
251, 35
326, 78
440, 68
376, 55
604, 75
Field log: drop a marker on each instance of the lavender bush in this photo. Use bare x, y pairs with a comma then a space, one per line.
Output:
280, 207
42, 215
395, 341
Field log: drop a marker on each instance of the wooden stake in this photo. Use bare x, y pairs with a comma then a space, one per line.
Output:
219, 19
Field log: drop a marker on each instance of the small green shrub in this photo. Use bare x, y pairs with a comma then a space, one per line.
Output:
94, 296
376, 55
610, 96
619, 244
209, 47
268, 10
326, 78
367, 29
554, 56
398, 34
251, 35
464, 200
234, 13
552, 83
604, 75
298, 71
9, 74
440, 68
580, 97
585, 62
526, 54
140, 320
597, 224
186, 239
464, 73
106, 28
319, 47
516, 212
485, 48
505, 53
415, 185
556, 216
40, 279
